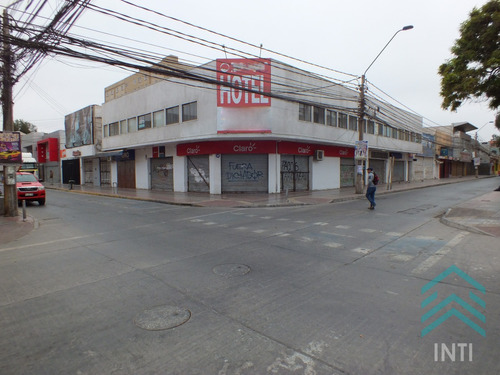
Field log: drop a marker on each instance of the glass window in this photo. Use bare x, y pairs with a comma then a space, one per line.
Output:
371, 127
173, 115
190, 111
331, 118
144, 121
380, 129
105, 131
114, 129
304, 112
158, 118
318, 115
419, 138
132, 124
123, 127
353, 123
342, 120
395, 133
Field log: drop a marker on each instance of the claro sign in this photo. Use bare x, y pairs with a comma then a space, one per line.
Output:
245, 82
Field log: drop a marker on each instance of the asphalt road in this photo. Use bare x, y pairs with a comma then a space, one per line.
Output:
113, 286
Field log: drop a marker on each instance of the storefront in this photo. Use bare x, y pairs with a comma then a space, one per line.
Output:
262, 166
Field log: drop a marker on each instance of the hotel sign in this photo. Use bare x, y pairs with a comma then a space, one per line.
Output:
245, 82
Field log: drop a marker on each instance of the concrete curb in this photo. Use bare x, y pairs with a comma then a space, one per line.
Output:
454, 224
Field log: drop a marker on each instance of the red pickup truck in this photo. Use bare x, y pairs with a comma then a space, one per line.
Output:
29, 188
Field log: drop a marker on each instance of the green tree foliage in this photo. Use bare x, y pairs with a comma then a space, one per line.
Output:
473, 72
25, 127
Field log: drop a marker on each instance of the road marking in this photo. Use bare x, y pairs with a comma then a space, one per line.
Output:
434, 258
321, 223
51, 242
394, 234
343, 226
260, 231
367, 230
337, 234
361, 250
333, 244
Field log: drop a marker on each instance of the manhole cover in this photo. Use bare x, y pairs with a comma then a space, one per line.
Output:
162, 317
231, 270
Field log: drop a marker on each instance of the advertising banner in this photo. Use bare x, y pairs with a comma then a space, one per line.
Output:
247, 80
79, 128
10, 148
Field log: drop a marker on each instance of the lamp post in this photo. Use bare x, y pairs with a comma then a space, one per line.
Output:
361, 117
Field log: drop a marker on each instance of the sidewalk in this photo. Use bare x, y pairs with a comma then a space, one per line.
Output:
480, 215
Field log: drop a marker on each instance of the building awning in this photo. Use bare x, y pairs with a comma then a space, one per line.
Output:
463, 127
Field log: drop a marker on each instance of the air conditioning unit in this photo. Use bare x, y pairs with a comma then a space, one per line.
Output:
319, 155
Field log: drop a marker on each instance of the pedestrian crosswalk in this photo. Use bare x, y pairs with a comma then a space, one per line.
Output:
358, 241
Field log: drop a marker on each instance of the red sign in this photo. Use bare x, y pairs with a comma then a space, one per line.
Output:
227, 147
247, 80
296, 148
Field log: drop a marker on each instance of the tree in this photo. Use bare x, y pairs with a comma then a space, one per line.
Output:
474, 70
25, 127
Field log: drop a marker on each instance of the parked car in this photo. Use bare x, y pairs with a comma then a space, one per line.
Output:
29, 188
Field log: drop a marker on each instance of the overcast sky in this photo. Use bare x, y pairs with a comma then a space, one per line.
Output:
342, 35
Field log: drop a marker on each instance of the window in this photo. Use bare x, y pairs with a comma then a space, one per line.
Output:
304, 112
114, 129
387, 131
331, 118
123, 127
342, 120
371, 127
318, 115
380, 129
132, 124
413, 137
353, 123
158, 119
105, 131
190, 111
173, 115
418, 138
395, 133
144, 122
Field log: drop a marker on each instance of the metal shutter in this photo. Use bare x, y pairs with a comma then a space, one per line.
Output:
245, 173
198, 173
162, 174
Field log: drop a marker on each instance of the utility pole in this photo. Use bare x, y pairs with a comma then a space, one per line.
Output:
10, 193
361, 118
361, 129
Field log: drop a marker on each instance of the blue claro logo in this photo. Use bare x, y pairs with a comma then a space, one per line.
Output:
434, 311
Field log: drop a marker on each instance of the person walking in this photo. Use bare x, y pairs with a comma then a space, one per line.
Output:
371, 189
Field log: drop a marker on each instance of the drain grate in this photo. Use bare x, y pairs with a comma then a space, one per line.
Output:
162, 317
231, 270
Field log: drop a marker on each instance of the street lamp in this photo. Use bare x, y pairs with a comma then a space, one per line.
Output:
361, 118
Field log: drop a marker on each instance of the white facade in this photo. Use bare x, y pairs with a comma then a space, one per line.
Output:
197, 151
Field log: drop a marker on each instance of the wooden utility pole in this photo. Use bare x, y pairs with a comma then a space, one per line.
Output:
10, 193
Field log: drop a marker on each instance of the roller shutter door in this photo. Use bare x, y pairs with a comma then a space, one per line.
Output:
294, 173
379, 168
162, 174
399, 171
245, 173
347, 170
198, 174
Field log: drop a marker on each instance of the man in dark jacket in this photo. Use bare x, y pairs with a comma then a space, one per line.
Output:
371, 189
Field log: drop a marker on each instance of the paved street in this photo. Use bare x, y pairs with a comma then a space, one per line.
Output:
116, 286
